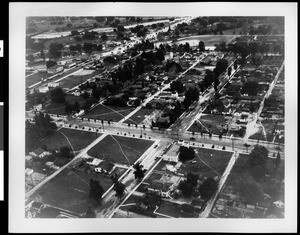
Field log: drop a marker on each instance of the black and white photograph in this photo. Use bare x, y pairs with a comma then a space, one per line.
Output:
153, 117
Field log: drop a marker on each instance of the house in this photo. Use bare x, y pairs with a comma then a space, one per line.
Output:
160, 188
279, 204
76, 93
28, 158
39, 152
172, 154
70, 64
37, 107
105, 167
233, 127
43, 89
28, 171
55, 69
163, 120
95, 162
150, 200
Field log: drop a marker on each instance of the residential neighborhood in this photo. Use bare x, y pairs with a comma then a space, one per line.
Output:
155, 117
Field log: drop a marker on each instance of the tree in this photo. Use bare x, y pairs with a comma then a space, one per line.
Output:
65, 151
104, 36
192, 178
201, 46
277, 162
251, 88
69, 25
251, 191
208, 188
177, 86
96, 190
258, 156
30, 58
54, 50
119, 189
186, 188
42, 55
74, 32
186, 153
58, 95
139, 172
50, 63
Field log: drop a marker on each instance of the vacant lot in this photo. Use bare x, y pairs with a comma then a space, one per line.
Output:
118, 149
139, 116
70, 190
59, 108
75, 80
208, 163
64, 137
36, 77
108, 113
209, 123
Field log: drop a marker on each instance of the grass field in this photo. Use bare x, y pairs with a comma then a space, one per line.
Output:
113, 148
108, 113
208, 162
78, 139
70, 190
59, 108
139, 116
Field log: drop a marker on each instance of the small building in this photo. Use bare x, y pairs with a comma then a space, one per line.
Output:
43, 89
95, 162
39, 152
76, 93
53, 84
28, 171
28, 158
233, 127
105, 167
279, 204
55, 69
70, 64
160, 188
172, 154
38, 107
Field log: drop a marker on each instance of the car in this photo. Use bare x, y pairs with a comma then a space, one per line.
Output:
180, 142
155, 146
192, 138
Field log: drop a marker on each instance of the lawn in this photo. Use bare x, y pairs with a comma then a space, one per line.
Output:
139, 116
118, 149
208, 162
108, 113
209, 122
69, 190
259, 135
59, 108
78, 139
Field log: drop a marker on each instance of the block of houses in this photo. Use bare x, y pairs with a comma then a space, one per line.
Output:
39, 152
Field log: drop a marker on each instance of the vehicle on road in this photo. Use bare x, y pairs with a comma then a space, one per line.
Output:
192, 138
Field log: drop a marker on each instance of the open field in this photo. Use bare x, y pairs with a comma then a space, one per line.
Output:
118, 149
108, 113
78, 139
70, 190
59, 108
139, 116
208, 162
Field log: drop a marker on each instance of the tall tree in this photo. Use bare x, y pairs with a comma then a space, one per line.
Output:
96, 190
208, 188
201, 46
58, 95
258, 156
139, 172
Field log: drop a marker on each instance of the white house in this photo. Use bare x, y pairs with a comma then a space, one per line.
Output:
53, 84
55, 69
43, 89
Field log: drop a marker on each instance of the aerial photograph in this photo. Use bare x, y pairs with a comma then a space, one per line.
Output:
154, 117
